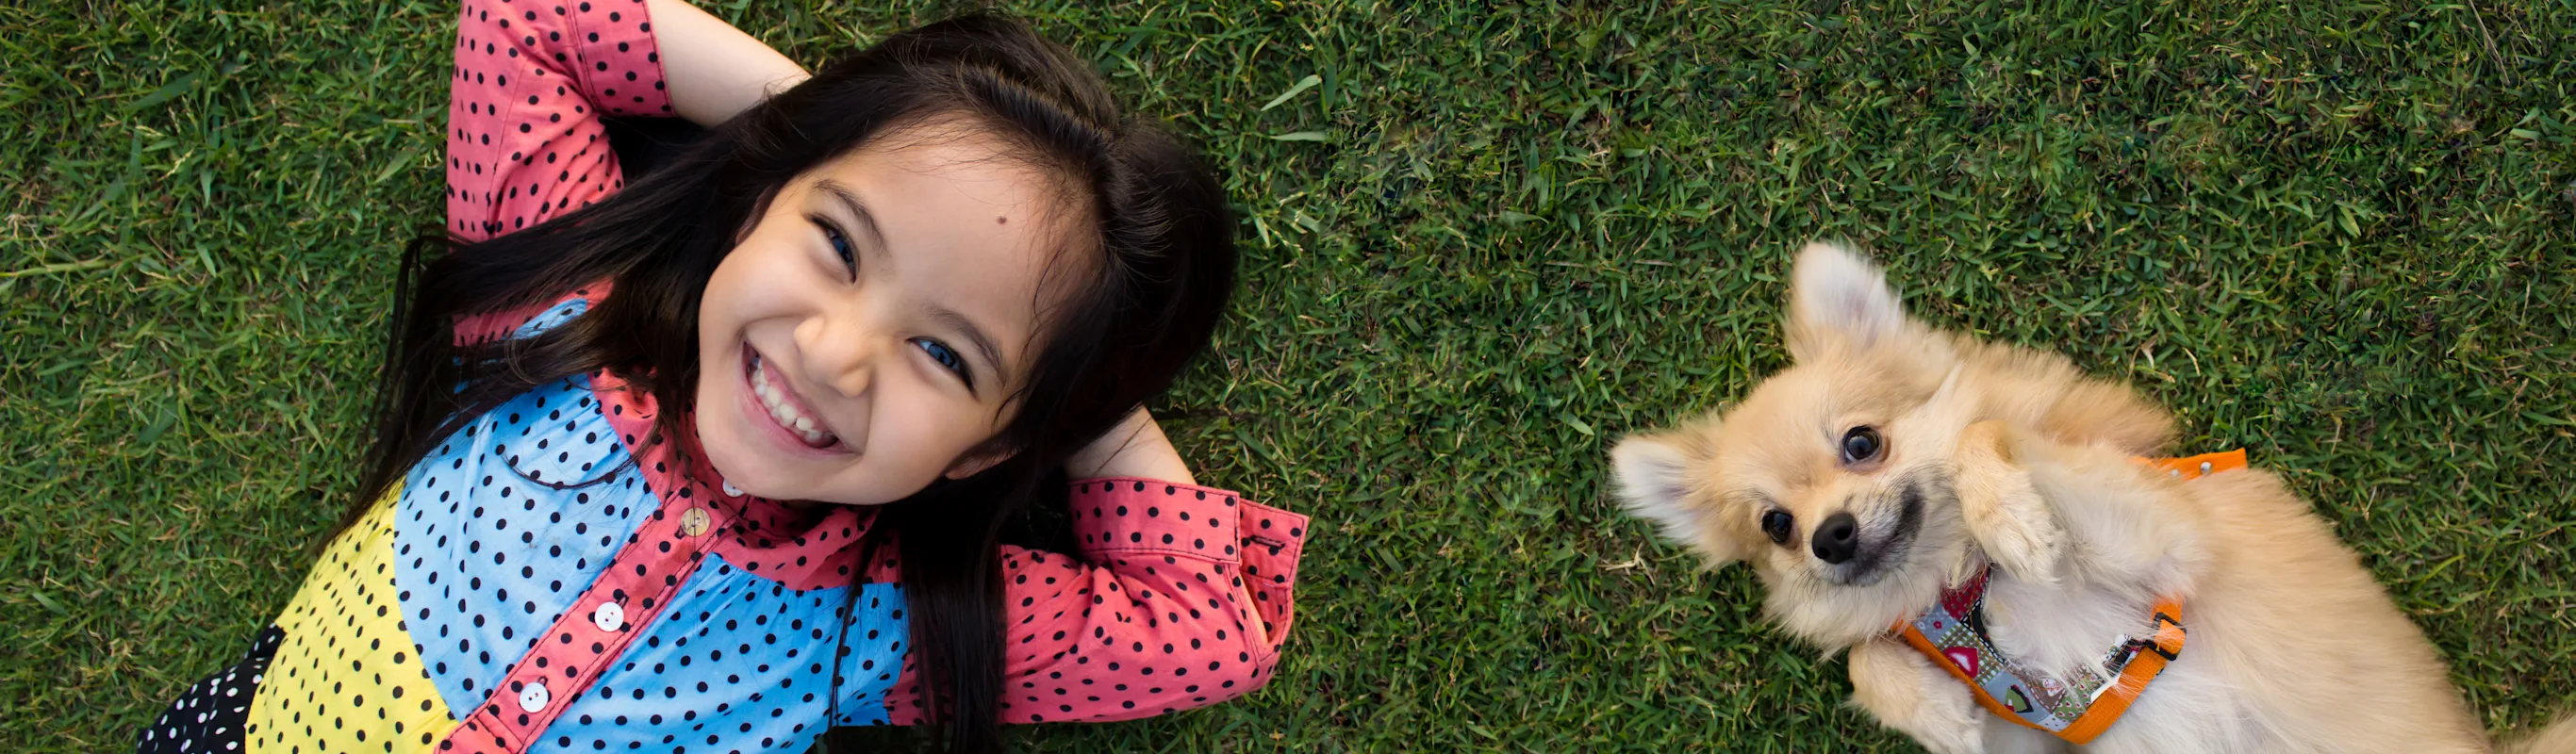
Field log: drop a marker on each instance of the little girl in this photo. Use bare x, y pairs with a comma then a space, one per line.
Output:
715, 461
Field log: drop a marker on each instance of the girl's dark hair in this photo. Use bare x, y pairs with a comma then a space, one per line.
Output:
1131, 320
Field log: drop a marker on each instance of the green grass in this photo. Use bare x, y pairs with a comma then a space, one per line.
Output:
2335, 233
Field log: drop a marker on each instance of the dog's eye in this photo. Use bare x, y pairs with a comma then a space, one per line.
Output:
1862, 444
1776, 524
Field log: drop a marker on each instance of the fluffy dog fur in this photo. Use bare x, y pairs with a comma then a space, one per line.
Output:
1994, 454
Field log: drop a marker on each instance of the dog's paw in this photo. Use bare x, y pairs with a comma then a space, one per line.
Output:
2004, 513
1904, 691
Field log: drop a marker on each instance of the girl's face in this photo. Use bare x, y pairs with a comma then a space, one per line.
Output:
863, 338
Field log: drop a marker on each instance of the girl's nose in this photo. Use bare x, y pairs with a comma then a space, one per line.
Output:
842, 352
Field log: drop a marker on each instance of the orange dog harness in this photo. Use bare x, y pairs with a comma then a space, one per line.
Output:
2076, 706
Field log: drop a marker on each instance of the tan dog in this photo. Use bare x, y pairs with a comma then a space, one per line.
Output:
1892, 461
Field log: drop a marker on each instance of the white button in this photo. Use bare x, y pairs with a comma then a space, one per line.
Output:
609, 617
533, 697
732, 491
2204, 467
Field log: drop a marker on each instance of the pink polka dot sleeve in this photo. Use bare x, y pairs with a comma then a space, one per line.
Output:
1180, 599
533, 78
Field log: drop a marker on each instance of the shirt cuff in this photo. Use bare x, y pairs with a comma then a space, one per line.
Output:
1133, 515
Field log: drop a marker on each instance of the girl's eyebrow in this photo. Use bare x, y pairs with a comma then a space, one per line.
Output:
850, 201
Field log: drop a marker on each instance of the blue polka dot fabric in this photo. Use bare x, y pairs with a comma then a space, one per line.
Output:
562, 312
872, 651
745, 663
504, 525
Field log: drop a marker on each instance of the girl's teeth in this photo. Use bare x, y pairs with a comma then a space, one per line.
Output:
772, 397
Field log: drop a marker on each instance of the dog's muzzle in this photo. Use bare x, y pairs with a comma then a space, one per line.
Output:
1861, 555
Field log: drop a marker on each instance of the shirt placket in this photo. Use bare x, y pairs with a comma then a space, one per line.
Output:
572, 654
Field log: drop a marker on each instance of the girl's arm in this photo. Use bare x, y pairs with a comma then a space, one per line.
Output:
1180, 597
715, 70
532, 80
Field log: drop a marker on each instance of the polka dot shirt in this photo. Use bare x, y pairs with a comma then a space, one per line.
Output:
533, 79
553, 578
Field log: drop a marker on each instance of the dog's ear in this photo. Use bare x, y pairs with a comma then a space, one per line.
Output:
1652, 472
1839, 302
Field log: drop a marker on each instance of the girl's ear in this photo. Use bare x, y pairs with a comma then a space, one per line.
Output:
1839, 302
975, 461
1652, 472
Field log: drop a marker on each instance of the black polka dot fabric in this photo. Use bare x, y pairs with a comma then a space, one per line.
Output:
211, 716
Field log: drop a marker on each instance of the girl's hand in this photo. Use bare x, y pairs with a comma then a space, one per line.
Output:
1134, 448
715, 71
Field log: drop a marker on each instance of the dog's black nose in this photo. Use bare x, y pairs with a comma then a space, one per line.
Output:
1837, 538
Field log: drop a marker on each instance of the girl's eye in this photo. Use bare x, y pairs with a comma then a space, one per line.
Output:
1777, 524
1862, 444
947, 357
840, 247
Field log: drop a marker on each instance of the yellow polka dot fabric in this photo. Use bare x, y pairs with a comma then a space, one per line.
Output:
347, 678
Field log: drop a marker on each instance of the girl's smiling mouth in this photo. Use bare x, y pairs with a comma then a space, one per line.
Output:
789, 414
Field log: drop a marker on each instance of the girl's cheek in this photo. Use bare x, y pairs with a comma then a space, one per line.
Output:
921, 442
935, 434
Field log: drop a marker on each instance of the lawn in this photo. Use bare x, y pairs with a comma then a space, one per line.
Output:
1485, 241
